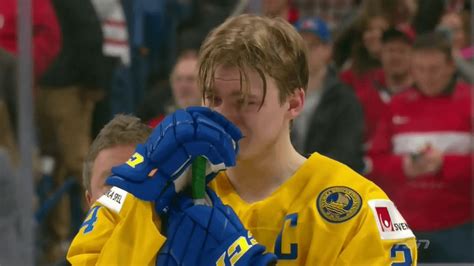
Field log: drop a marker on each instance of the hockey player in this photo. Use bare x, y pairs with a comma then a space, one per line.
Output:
252, 70
118, 217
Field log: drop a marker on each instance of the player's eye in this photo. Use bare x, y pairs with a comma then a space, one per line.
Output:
213, 101
246, 102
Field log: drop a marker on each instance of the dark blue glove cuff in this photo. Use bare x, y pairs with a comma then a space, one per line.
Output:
240, 251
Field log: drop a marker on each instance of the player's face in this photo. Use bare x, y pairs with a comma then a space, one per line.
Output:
106, 159
262, 127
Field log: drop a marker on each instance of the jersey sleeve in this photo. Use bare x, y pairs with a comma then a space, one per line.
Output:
118, 230
383, 238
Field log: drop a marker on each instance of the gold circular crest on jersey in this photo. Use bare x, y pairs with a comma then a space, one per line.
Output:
338, 204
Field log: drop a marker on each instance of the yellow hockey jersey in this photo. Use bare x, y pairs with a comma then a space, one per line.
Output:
118, 230
325, 214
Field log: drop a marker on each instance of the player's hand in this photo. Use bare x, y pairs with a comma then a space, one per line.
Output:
159, 167
209, 235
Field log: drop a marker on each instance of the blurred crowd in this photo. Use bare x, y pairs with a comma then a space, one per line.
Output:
389, 94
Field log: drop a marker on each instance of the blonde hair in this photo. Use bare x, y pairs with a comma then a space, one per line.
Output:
121, 130
269, 46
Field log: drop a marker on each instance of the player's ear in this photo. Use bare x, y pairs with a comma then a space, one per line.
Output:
295, 103
88, 197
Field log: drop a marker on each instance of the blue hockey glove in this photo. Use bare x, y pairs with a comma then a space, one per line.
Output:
160, 167
209, 235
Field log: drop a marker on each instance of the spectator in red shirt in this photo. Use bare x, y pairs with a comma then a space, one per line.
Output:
422, 154
46, 34
364, 66
395, 57
394, 77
